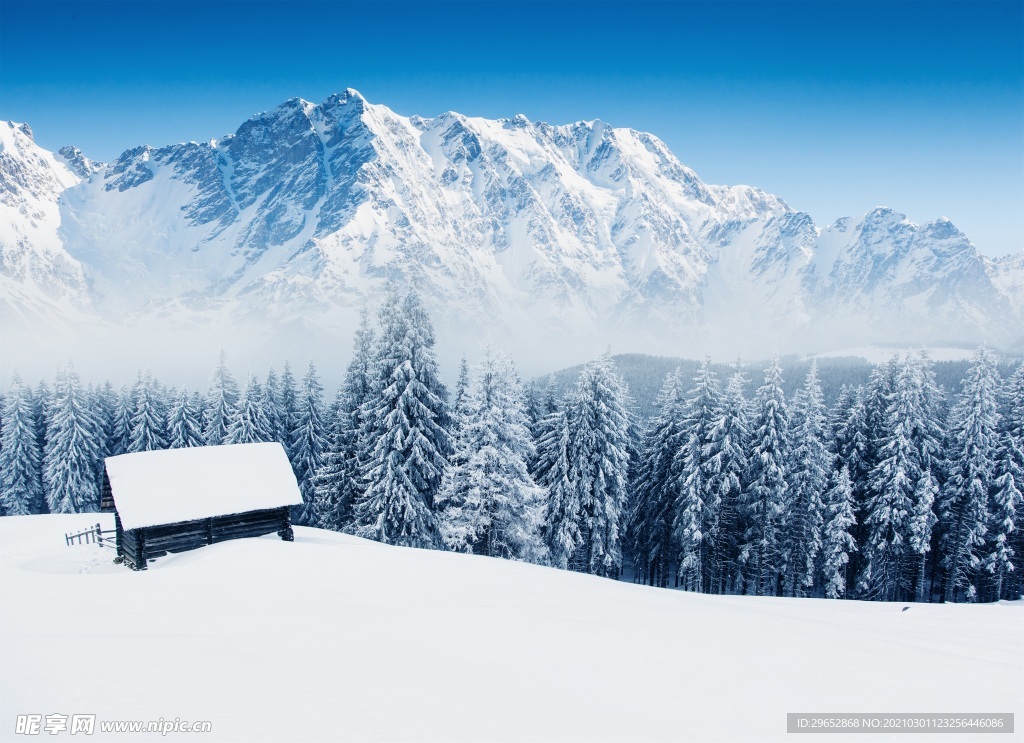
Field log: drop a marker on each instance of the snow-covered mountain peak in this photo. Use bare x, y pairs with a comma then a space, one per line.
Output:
942, 229
519, 121
16, 126
77, 162
349, 100
572, 234
27, 171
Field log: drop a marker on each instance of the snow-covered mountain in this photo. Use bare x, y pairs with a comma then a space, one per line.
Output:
551, 237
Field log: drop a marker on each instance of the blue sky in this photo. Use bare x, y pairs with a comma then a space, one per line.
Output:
835, 106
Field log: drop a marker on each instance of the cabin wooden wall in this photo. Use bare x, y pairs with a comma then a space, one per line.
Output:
136, 546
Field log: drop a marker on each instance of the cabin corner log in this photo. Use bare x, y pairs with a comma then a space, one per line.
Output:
106, 495
137, 546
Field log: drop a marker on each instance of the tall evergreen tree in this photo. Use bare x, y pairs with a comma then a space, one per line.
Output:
931, 431
837, 541
810, 467
41, 399
488, 502
697, 504
651, 514
121, 423
763, 505
599, 465
405, 438
183, 427
891, 486
338, 481
149, 420
1004, 510
309, 443
1005, 536
728, 466
460, 398
222, 404
922, 524
288, 407
106, 411
69, 461
21, 483
877, 395
330, 477
276, 423
561, 531
251, 426
963, 509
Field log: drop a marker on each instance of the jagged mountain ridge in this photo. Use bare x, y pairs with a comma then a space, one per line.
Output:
544, 234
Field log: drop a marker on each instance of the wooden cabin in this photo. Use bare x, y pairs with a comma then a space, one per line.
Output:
174, 500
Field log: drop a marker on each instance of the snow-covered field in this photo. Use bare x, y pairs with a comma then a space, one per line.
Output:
337, 638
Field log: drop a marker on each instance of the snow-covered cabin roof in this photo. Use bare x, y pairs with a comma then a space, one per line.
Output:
172, 485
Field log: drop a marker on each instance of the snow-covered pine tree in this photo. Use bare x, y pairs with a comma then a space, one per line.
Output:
405, 438
649, 535
460, 396
543, 428
697, 505
837, 541
922, 524
892, 484
1005, 547
71, 454
309, 443
288, 406
561, 529
549, 397
222, 404
928, 440
534, 406
276, 423
1004, 509
149, 420
251, 426
121, 423
331, 474
850, 443
931, 432
810, 466
839, 414
21, 481
963, 506
106, 411
488, 503
199, 405
183, 427
727, 463
877, 395
599, 465
337, 482
763, 506
40, 402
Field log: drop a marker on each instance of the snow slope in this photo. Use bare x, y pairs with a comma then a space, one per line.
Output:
336, 638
